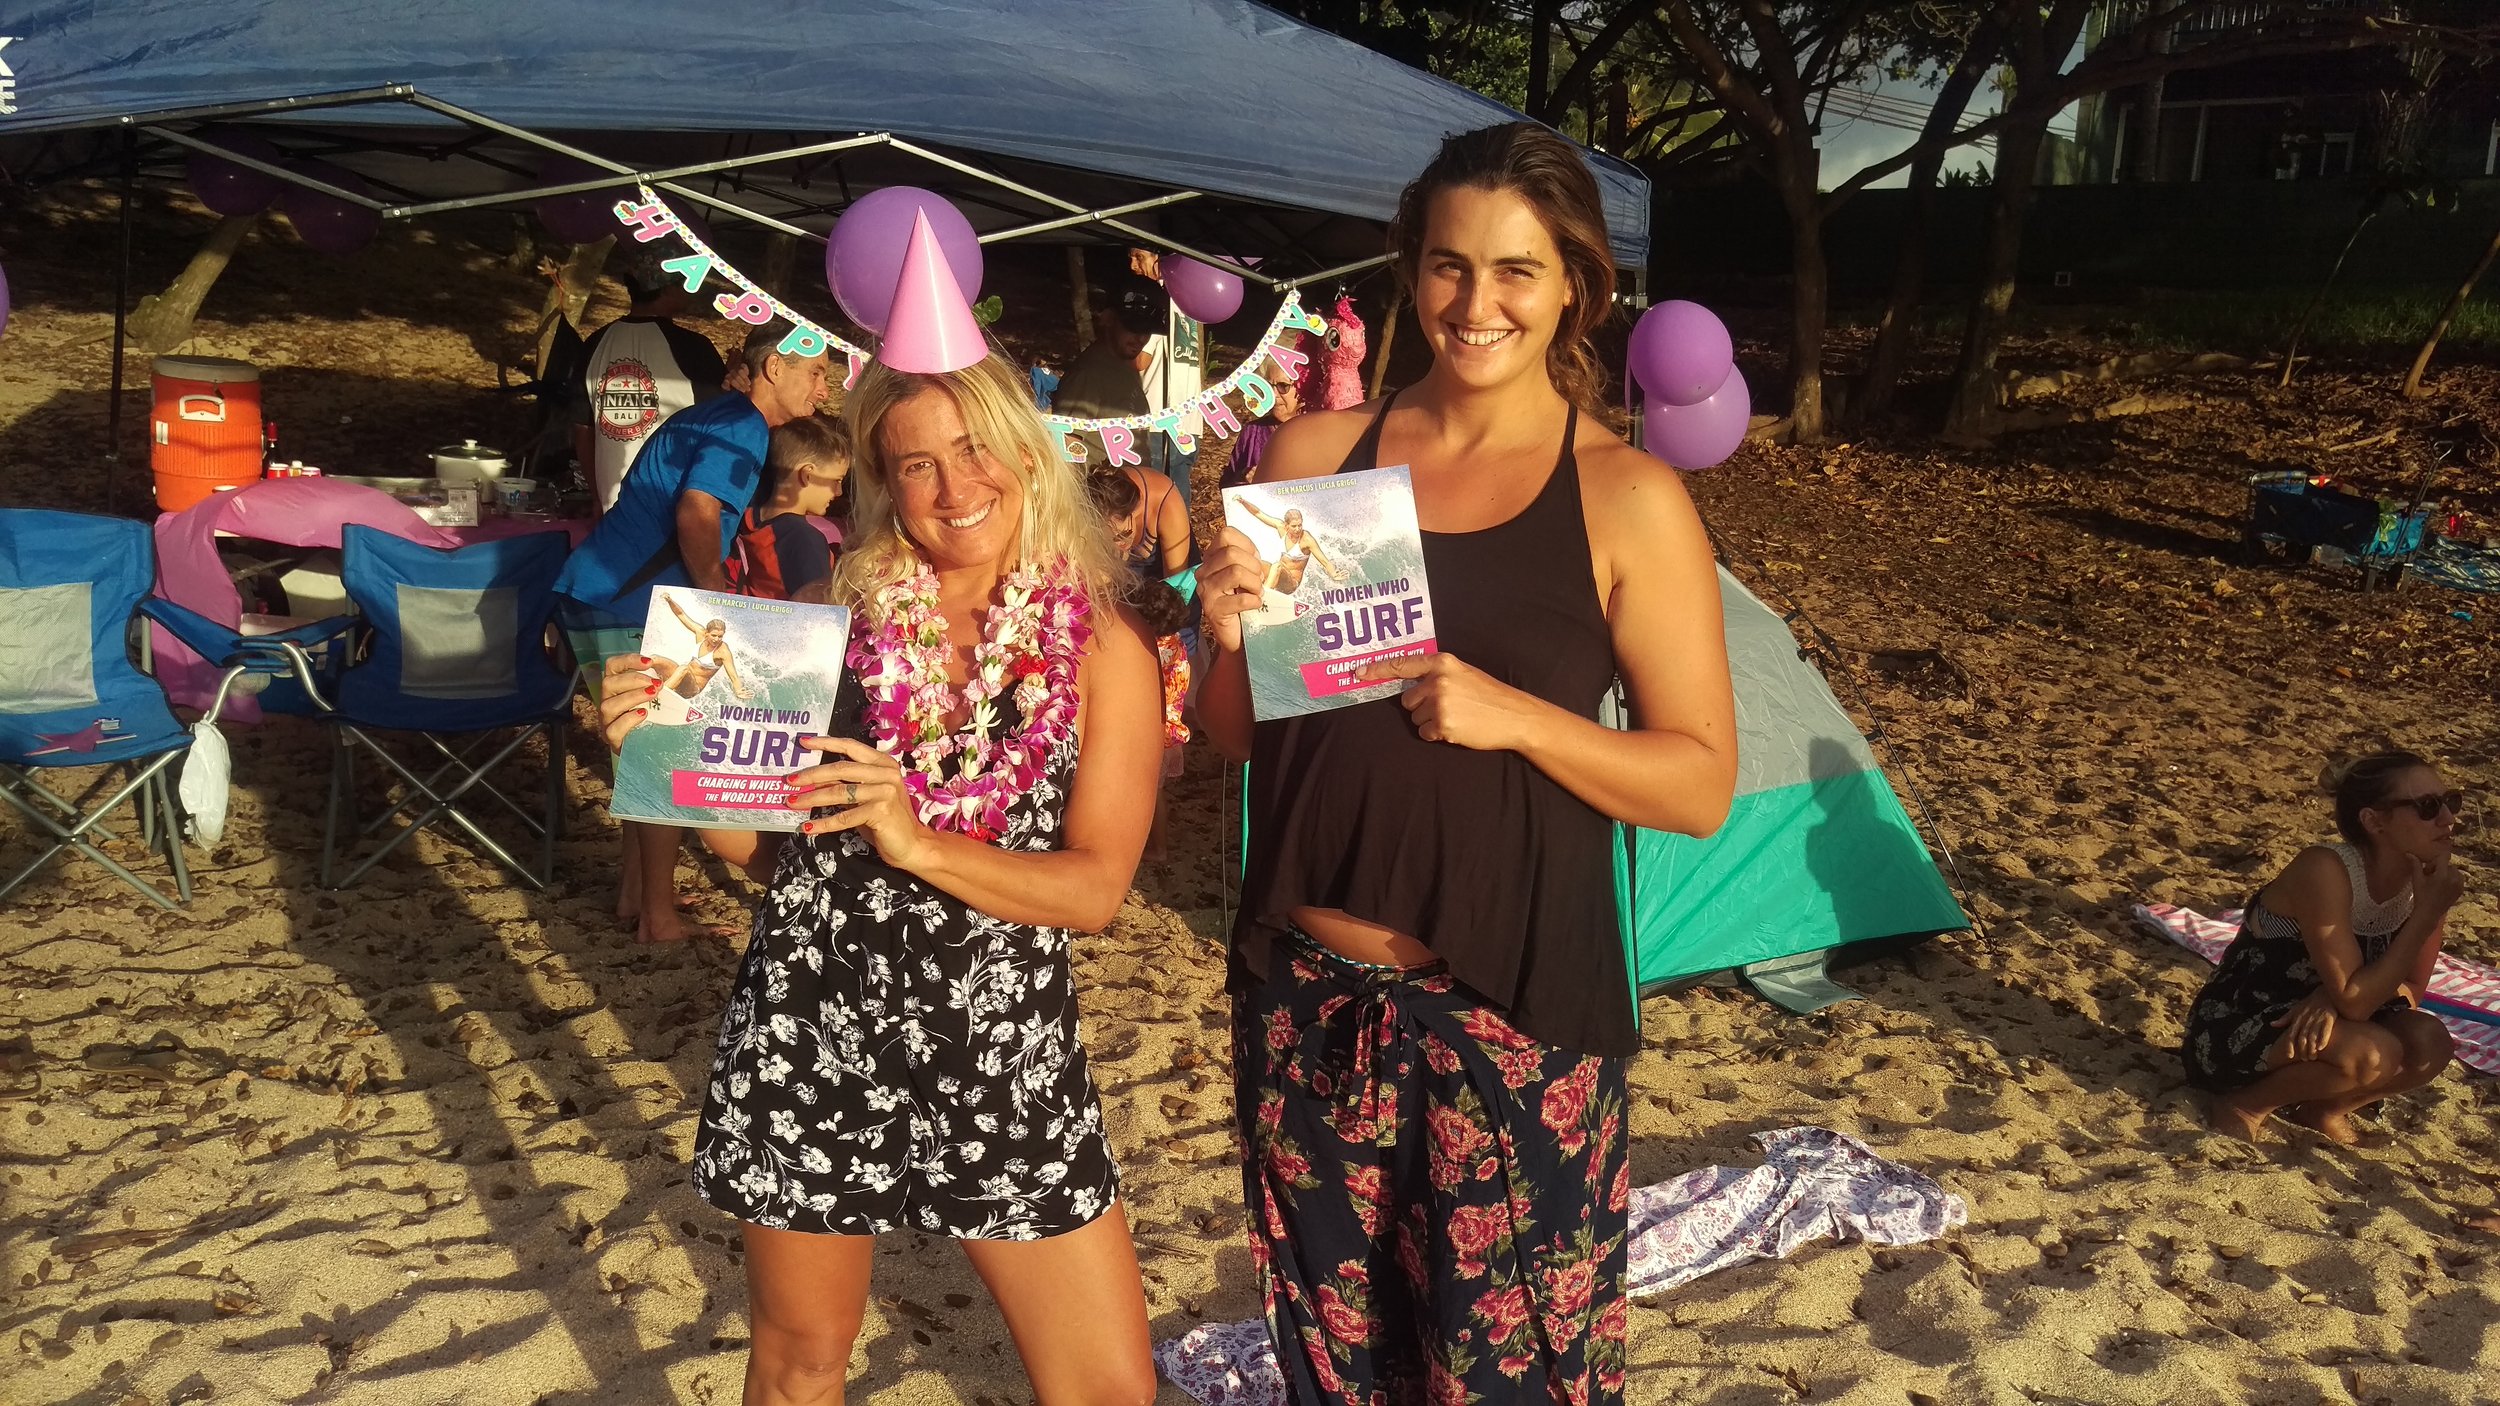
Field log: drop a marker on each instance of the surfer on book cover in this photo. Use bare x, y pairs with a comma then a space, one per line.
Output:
683, 682
1284, 574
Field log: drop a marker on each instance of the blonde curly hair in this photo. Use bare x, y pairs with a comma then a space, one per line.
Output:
997, 405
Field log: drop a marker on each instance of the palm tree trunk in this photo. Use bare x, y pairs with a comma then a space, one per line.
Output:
2456, 301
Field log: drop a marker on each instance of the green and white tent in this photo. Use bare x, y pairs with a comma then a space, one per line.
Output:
1817, 853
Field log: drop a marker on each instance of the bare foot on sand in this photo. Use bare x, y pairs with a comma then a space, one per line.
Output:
629, 908
671, 927
2229, 1115
2334, 1127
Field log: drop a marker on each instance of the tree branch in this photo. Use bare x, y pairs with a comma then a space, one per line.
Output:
1600, 46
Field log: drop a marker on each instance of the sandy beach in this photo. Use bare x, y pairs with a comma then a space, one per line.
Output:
425, 1140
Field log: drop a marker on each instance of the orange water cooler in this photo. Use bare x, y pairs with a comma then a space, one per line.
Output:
206, 432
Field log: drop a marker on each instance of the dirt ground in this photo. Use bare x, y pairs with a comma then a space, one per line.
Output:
425, 1140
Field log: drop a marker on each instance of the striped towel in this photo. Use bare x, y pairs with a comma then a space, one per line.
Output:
2464, 995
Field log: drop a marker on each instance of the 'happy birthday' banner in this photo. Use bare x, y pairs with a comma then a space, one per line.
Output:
647, 219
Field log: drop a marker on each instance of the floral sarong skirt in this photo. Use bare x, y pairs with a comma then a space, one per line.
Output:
1437, 1202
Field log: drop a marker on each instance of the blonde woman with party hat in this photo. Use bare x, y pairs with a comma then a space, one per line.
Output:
900, 1052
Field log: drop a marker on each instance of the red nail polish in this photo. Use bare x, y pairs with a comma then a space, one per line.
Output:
651, 688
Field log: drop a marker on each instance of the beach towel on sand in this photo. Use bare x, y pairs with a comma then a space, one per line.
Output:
2464, 995
1813, 1183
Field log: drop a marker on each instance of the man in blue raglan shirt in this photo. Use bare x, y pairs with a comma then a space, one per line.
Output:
674, 518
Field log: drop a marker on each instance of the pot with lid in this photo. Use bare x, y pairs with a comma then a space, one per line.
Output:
469, 462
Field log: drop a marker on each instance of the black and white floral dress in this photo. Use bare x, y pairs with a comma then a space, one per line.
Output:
891, 1059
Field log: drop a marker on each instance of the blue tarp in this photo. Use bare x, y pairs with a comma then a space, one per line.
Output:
1215, 95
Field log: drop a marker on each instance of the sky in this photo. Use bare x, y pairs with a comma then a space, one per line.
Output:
1866, 124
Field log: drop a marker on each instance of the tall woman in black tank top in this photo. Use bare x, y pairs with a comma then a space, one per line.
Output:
1432, 1009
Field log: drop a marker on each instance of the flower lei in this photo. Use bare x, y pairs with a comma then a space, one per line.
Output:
1032, 638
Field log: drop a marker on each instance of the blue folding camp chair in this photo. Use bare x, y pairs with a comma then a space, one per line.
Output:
70, 695
457, 655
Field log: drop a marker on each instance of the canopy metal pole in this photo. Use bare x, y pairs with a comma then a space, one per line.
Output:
1339, 271
268, 168
625, 178
1073, 208
523, 134
121, 325
389, 93
1090, 216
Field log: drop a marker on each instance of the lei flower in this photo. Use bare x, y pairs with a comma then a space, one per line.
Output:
1031, 642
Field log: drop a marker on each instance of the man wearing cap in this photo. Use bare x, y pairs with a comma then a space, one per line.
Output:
1106, 381
636, 372
672, 524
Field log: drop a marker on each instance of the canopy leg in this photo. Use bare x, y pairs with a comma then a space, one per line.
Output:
121, 326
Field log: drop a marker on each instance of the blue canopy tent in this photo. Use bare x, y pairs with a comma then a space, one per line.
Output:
1196, 126
1188, 98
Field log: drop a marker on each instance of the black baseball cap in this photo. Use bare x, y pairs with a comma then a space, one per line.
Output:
1140, 303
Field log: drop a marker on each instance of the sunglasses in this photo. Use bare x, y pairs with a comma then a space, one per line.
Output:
2428, 807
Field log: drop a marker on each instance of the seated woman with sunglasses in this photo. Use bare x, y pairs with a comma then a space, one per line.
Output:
2315, 1005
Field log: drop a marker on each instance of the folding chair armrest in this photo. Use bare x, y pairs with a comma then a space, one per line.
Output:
199, 634
284, 652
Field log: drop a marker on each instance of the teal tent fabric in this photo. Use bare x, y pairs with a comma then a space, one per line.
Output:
1816, 853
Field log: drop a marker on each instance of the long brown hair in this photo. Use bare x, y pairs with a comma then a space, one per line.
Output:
1540, 167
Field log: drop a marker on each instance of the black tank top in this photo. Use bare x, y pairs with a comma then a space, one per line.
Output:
1503, 873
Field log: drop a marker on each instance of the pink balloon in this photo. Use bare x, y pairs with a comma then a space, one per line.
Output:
1703, 433
865, 256
325, 222
230, 189
1680, 352
580, 218
1203, 292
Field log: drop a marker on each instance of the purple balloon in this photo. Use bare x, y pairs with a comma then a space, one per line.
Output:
325, 222
230, 189
864, 259
1203, 292
1703, 433
581, 218
1680, 352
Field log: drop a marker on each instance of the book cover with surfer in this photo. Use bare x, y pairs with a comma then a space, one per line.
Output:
741, 681
1345, 586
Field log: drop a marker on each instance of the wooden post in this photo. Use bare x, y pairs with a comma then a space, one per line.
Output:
1388, 336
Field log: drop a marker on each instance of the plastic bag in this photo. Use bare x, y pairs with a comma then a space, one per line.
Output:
207, 771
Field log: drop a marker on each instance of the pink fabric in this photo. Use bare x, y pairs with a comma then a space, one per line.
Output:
293, 512
2454, 979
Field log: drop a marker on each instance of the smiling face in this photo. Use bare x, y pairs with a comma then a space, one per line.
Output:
955, 499
1489, 287
714, 633
2397, 823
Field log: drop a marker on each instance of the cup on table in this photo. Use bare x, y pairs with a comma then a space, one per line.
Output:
518, 495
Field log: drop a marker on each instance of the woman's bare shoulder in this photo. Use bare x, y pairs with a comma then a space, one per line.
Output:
1628, 489
1314, 443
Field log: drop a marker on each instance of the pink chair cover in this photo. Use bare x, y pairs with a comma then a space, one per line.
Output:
294, 512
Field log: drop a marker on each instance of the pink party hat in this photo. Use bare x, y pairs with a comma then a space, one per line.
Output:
931, 329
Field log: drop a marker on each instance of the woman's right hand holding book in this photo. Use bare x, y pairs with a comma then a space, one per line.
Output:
1232, 581
626, 692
